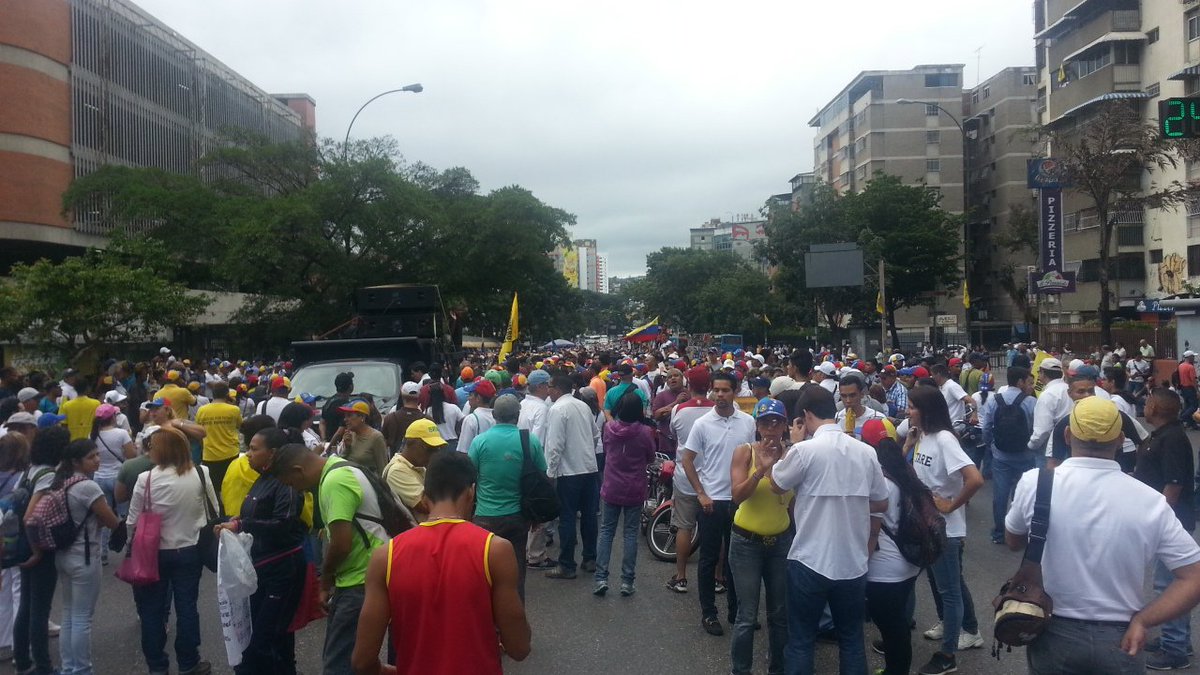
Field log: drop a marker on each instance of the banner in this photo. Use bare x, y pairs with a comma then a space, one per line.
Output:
510, 336
1045, 173
1051, 230
1051, 282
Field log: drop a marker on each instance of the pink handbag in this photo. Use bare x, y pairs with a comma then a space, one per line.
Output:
140, 566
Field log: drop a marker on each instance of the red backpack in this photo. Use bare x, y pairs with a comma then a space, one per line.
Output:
49, 525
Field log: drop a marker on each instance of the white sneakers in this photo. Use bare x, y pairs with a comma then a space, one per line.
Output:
935, 633
965, 640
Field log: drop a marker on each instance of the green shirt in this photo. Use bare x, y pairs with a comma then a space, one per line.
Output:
970, 380
614, 394
498, 457
341, 497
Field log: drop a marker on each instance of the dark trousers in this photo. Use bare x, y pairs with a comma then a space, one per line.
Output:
341, 628
578, 495
178, 578
887, 604
714, 535
31, 639
1189, 405
272, 649
515, 529
216, 473
808, 593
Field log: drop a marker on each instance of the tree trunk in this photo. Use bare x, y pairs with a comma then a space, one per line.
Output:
1105, 316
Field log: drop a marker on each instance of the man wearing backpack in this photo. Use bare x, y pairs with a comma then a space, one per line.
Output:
1006, 420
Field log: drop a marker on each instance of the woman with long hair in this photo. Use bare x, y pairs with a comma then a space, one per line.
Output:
445, 415
299, 417
629, 448
78, 564
115, 446
890, 578
14, 460
950, 474
39, 576
272, 512
178, 494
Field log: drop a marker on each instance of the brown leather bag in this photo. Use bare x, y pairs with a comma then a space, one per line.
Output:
1023, 608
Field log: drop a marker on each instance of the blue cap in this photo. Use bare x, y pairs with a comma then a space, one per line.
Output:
537, 377
760, 382
906, 371
769, 406
985, 382
1088, 372
156, 403
50, 420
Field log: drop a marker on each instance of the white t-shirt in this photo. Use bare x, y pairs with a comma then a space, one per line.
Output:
474, 424
179, 499
111, 444
451, 414
80, 499
713, 438
1105, 530
868, 414
682, 420
886, 564
954, 395
834, 478
938, 460
272, 407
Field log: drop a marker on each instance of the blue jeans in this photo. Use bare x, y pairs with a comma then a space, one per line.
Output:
341, 627
80, 584
1074, 648
178, 578
577, 495
754, 565
1176, 633
957, 607
108, 486
608, 531
1007, 469
808, 592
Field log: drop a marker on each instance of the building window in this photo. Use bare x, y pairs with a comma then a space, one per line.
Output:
1089, 270
1193, 26
1194, 260
933, 165
1130, 267
1098, 60
987, 92
1028, 79
975, 98
1156, 256
1152, 36
933, 137
1127, 53
931, 110
941, 80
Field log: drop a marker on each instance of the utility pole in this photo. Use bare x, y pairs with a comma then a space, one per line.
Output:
882, 315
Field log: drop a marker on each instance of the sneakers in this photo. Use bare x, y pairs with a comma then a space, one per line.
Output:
53, 629
6, 654
1152, 646
600, 589
1163, 661
939, 663
718, 587
935, 633
969, 641
201, 668
543, 564
678, 585
588, 566
877, 646
560, 573
712, 625
627, 589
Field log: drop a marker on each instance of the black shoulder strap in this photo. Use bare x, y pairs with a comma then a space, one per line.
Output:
100, 437
1041, 517
526, 459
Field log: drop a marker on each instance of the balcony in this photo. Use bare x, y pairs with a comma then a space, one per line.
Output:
1113, 78
1118, 24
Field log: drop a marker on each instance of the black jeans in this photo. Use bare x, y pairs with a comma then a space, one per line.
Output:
887, 606
272, 649
216, 473
515, 529
714, 534
31, 637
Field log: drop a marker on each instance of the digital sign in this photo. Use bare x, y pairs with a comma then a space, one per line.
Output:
1179, 117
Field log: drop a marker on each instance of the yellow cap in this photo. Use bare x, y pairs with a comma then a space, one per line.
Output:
193, 386
1095, 419
425, 430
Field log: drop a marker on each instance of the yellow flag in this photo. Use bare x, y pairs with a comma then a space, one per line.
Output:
766, 319
879, 302
510, 337
1062, 73
966, 296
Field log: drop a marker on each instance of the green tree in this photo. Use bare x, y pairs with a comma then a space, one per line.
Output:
87, 302
1019, 238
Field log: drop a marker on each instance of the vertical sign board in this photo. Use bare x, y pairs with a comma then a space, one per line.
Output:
1052, 251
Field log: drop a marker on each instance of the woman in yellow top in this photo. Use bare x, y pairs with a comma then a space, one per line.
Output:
761, 537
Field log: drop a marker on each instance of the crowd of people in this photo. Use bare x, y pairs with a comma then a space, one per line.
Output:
797, 474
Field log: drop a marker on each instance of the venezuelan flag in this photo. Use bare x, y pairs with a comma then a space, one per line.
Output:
647, 332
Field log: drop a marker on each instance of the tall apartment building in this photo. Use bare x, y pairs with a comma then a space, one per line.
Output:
1136, 52
873, 125
84, 83
736, 236
1000, 111
582, 266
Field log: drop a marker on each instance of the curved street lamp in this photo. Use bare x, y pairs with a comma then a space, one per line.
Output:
414, 88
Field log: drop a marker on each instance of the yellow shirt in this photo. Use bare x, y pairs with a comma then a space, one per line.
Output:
765, 513
405, 480
80, 412
180, 399
222, 422
239, 478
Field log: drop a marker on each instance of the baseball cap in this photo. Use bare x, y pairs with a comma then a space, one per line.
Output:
728, 363
410, 389
955, 361
28, 394
1051, 364
1088, 372
156, 403
537, 377
425, 430
827, 368
1188, 353
280, 383
173, 375
698, 377
1075, 365
625, 369
484, 388
889, 369
760, 382
1095, 419
874, 431
358, 406
49, 420
519, 380
106, 411
114, 397
467, 373
768, 407
920, 371
907, 371
21, 418
193, 386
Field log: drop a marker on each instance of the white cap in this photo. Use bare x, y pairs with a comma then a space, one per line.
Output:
164, 350
28, 394
728, 363
1075, 365
1188, 353
410, 389
1051, 364
827, 368
114, 397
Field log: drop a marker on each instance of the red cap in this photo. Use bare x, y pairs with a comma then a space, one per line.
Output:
698, 377
876, 430
955, 361
920, 371
484, 388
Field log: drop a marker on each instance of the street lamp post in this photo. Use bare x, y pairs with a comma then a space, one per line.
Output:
414, 88
965, 204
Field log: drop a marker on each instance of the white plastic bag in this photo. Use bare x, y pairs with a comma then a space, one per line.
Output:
236, 582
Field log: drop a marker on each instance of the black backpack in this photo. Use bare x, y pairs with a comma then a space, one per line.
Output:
920, 533
16, 545
539, 499
394, 516
1010, 427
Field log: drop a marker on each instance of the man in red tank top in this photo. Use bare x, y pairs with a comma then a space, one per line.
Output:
444, 562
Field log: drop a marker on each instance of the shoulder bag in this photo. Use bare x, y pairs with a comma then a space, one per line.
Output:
1023, 608
140, 566
207, 542
539, 499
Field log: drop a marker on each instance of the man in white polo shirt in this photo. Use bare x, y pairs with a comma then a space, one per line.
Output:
838, 484
707, 457
1105, 526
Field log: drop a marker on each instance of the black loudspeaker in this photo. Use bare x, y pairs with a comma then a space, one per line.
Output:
416, 324
397, 299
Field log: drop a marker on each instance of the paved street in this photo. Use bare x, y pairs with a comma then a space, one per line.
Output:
655, 631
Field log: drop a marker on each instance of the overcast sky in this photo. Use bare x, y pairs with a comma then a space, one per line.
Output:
641, 118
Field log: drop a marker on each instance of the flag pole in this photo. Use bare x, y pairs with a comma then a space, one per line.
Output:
882, 315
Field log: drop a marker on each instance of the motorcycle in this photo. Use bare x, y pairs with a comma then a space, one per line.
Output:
656, 511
